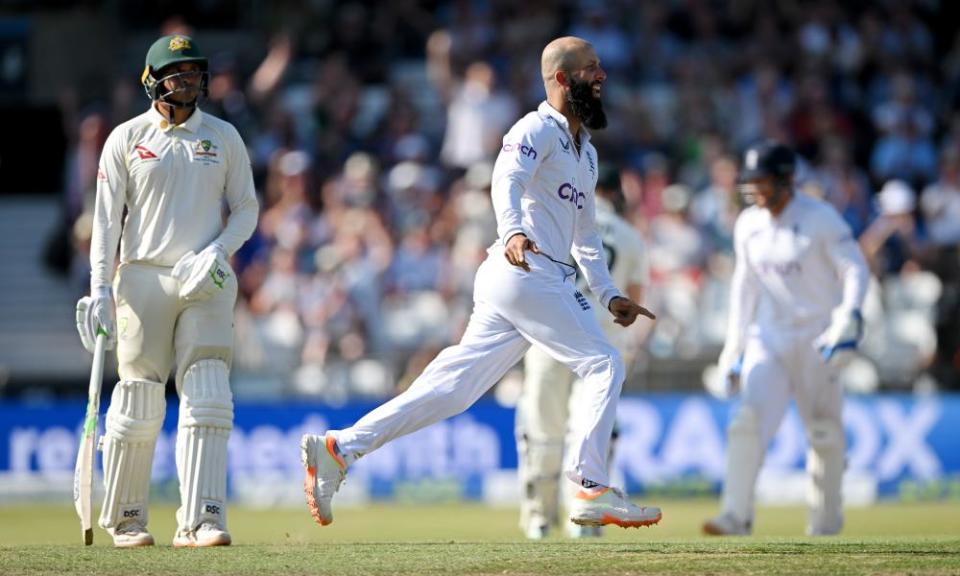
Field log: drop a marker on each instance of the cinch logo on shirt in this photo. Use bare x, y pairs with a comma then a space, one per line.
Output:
525, 150
571, 194
780, 268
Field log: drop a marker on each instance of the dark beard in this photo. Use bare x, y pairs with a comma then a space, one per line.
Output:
586, 107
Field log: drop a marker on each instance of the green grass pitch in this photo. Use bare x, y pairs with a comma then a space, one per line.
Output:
474, 539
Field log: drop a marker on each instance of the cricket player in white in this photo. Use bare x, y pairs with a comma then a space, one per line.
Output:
550, 409
173, 168
524, 292
795, 301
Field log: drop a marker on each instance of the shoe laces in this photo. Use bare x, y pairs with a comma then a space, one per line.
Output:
624, 499
130, 527
208, 525
619, 493
341, 478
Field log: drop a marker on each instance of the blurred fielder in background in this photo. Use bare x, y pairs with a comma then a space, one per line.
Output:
550, 408
172, 168
524, 292
795, 300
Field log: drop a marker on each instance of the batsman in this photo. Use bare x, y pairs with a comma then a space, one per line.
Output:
164, 180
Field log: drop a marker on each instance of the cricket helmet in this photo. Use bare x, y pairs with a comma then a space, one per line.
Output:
166, 51
768, 159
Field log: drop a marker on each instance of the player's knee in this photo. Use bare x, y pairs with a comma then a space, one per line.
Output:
136, 411
458, 401
607, 365
198, 353
745, 423
205, 396
619, 368
141, 367
825, 434
605, 358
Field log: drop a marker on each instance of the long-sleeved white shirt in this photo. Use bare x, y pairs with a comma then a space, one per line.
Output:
793, 271
173, 181
626, 255
543, 188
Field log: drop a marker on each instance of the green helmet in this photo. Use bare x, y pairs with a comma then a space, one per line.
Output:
170, 49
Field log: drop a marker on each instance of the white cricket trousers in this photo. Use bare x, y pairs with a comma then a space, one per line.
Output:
157, 328
774, 370
512, 308
791, 368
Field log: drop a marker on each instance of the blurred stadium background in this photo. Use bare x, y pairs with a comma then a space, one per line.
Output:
372, 128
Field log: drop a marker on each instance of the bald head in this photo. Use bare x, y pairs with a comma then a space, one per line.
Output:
572, 79
564, 54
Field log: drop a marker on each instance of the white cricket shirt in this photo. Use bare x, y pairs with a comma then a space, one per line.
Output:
626, 255
544, 188
174, 182
793, 270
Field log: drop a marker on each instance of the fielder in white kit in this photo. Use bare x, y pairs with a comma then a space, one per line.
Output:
173, 168
549, 409
524, 292
795, 300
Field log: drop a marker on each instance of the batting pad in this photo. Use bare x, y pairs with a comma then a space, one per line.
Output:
825, 463
133, 422
206, 418
744, 457
540, 465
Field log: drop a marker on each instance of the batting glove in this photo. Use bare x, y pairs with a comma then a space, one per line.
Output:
726, 382
202, 275
844, 333
95, 315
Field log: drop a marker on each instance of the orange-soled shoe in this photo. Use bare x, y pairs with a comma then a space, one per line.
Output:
610, 506
325, 471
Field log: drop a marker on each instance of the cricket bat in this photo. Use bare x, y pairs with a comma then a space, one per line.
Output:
83, 474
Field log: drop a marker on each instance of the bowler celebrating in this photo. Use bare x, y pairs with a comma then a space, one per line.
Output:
549, 409
525, 292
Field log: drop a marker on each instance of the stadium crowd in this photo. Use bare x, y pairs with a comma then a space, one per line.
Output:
372, 145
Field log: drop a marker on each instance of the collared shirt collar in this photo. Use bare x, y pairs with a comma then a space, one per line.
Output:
788, 208
160, 121
547, 110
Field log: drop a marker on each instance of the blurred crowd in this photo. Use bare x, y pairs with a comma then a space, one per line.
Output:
372, 145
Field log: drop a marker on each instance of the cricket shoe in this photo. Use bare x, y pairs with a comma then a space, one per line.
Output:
727, 524
131, 534
536, 531
325, 471
206, 535
611, 506
831, 529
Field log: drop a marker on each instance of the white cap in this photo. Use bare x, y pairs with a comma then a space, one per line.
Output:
896, 197
294, 163
676, 198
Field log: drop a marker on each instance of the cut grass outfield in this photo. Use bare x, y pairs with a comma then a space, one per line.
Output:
473, 539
